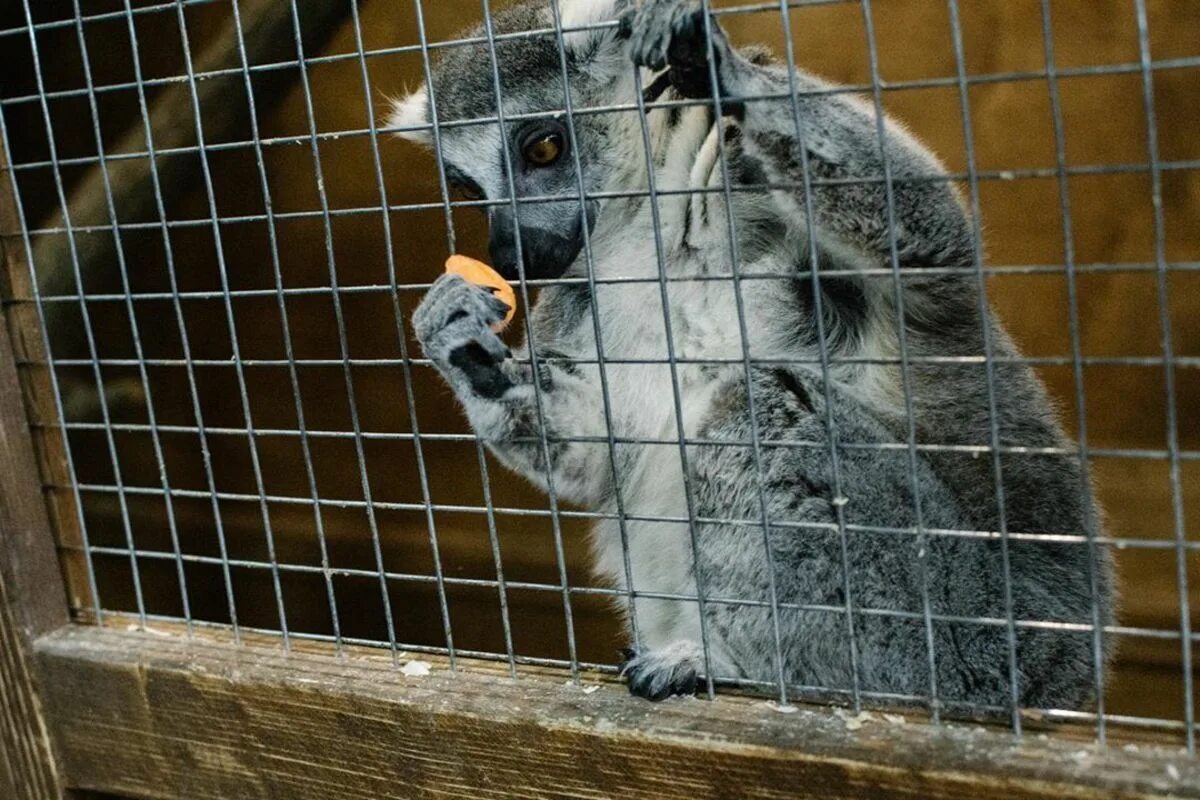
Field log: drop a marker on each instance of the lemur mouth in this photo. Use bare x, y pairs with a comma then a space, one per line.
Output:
546, 253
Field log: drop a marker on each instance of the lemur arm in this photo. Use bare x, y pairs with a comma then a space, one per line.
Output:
835, 136
839, 143
497, 392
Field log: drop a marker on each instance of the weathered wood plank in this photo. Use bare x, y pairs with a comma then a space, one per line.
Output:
32, 598
158, 715
24, 341
27, 767
27, 555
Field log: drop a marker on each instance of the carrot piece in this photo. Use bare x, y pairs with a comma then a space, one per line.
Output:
481, 274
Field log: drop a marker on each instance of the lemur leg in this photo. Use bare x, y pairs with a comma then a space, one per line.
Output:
453, 325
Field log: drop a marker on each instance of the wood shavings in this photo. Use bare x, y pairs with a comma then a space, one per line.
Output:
853, 721
415, 669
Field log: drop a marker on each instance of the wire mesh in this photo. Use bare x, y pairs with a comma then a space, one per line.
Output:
229, 416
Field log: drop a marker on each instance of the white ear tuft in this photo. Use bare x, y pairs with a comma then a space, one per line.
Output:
577, 13
581, 13
412, 112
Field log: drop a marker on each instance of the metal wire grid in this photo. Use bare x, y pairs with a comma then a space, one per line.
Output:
1160, 267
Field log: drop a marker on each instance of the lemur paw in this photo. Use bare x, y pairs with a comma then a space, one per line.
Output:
453, 325
658, 674
671, 33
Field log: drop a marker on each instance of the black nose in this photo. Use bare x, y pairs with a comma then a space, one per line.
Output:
502, 245
546, 253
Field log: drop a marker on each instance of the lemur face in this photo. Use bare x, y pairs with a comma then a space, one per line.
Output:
551, 161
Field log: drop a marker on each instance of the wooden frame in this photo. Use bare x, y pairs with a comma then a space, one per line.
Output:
33, 600
158, 715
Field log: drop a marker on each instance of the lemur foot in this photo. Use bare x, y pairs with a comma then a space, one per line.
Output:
453, 325
671, 34
658, 674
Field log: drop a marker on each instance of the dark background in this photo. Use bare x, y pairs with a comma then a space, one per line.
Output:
1112, 215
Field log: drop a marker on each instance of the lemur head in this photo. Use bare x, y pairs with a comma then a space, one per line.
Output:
537, 137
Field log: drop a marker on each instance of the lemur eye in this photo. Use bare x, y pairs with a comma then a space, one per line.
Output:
461, 186
545, 150
466, 190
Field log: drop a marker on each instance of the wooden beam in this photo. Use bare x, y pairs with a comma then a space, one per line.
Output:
268, 35
154, 714
29, 568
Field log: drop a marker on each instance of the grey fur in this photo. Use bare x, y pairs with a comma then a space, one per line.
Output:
1051, 581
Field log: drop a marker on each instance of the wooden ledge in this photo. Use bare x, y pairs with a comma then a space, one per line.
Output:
154, 714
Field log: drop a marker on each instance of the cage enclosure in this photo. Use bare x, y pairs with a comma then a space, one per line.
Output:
217, 229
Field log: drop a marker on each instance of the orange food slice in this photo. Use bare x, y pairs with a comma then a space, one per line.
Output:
481, 274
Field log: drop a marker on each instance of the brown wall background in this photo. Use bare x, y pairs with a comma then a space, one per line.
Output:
1112, 214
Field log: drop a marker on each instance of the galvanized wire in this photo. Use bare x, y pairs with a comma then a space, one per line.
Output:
451, 246
1168, 351
177, 307
231, 322
293, 373
560, 558
60, 192
1085, 468
985, 324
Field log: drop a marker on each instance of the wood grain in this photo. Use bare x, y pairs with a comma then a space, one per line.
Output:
27, 767
158, 715
23, 341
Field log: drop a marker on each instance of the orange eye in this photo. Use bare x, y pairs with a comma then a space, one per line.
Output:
544, 151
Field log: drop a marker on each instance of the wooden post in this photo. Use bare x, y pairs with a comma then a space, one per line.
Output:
32, 597
23, 341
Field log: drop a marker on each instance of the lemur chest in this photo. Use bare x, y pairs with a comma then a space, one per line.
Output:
661, 357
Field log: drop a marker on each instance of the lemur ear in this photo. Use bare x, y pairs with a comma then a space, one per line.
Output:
411, 115
587, 45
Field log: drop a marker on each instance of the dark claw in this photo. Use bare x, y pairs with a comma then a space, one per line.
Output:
625, 26
672, 35
500, 307
688, 683
656, 683
643, 687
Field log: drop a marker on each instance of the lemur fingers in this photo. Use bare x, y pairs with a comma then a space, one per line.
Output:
453, 325
660, 673
673, 34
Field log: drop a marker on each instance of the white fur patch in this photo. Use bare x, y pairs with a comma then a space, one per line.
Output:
580, 14
412, 112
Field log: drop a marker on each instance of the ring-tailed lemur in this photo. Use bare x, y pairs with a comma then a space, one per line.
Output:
838, 533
